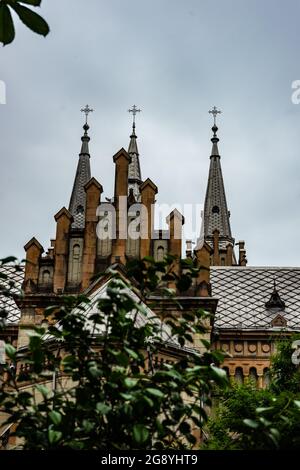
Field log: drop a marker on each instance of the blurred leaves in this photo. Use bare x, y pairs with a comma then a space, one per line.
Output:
97, 378
29, 17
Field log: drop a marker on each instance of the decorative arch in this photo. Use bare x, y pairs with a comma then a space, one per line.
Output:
160, 253
253, 376
239, 375
266, 377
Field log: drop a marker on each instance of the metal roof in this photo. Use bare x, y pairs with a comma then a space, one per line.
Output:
7, 303
244, 291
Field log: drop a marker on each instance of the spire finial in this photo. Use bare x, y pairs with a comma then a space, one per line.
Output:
214, 111
85, 138
86, 111
134, 110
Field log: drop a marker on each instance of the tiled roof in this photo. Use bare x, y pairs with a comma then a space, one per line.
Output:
6, 302
243, 292
142, 317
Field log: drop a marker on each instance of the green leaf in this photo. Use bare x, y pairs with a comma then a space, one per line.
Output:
102, 408
8, 259
68, 360
264, 409
129, 383
31, 19
131, 353
88, 425
10, 351
54, 436
43, 390
155, 392
219, 374
140, 433
7, 32
252, 424
35, 3
55, 417
184, 428
126, 396
297, 403
95, 372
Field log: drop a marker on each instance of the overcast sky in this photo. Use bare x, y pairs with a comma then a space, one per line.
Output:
175, 59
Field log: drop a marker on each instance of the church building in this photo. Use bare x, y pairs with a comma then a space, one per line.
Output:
251, 306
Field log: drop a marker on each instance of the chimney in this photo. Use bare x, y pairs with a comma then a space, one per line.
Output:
175, 221
148, 191
93, 190
242, 253
34, 252
121, 160
63, 223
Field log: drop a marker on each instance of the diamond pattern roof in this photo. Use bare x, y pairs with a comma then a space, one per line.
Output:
8, 303
243, 292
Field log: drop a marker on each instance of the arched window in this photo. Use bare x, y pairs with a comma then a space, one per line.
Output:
79, 209
46, 277
266, 377
239, 376
76, 252
253, 375
74, 274
160, 253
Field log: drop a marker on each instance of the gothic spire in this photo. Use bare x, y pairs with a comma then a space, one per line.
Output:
83, 175
216, 215
134, 170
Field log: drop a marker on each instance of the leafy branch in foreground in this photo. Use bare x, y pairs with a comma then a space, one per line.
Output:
250, 418
109, 374
30, 18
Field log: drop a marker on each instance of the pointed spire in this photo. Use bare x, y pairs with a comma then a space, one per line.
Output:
134, 170
83, 175
214, 151
133, 148
85, 141
215, 215
215, 140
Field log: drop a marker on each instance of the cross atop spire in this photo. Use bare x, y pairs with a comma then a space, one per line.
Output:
134, 110
86, 111
214, 111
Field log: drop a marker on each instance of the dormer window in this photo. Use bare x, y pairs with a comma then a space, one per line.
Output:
215, 210
79, 209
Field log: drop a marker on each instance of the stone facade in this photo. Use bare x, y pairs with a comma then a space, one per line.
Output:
244, 324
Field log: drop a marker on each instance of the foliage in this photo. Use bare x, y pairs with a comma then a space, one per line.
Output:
107, 392
31, 19
248, 418
284, 374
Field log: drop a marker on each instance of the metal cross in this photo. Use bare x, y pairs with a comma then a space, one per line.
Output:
214, 112
86, 111
134, 110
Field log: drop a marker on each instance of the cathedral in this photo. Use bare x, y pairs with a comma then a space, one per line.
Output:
251, 306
